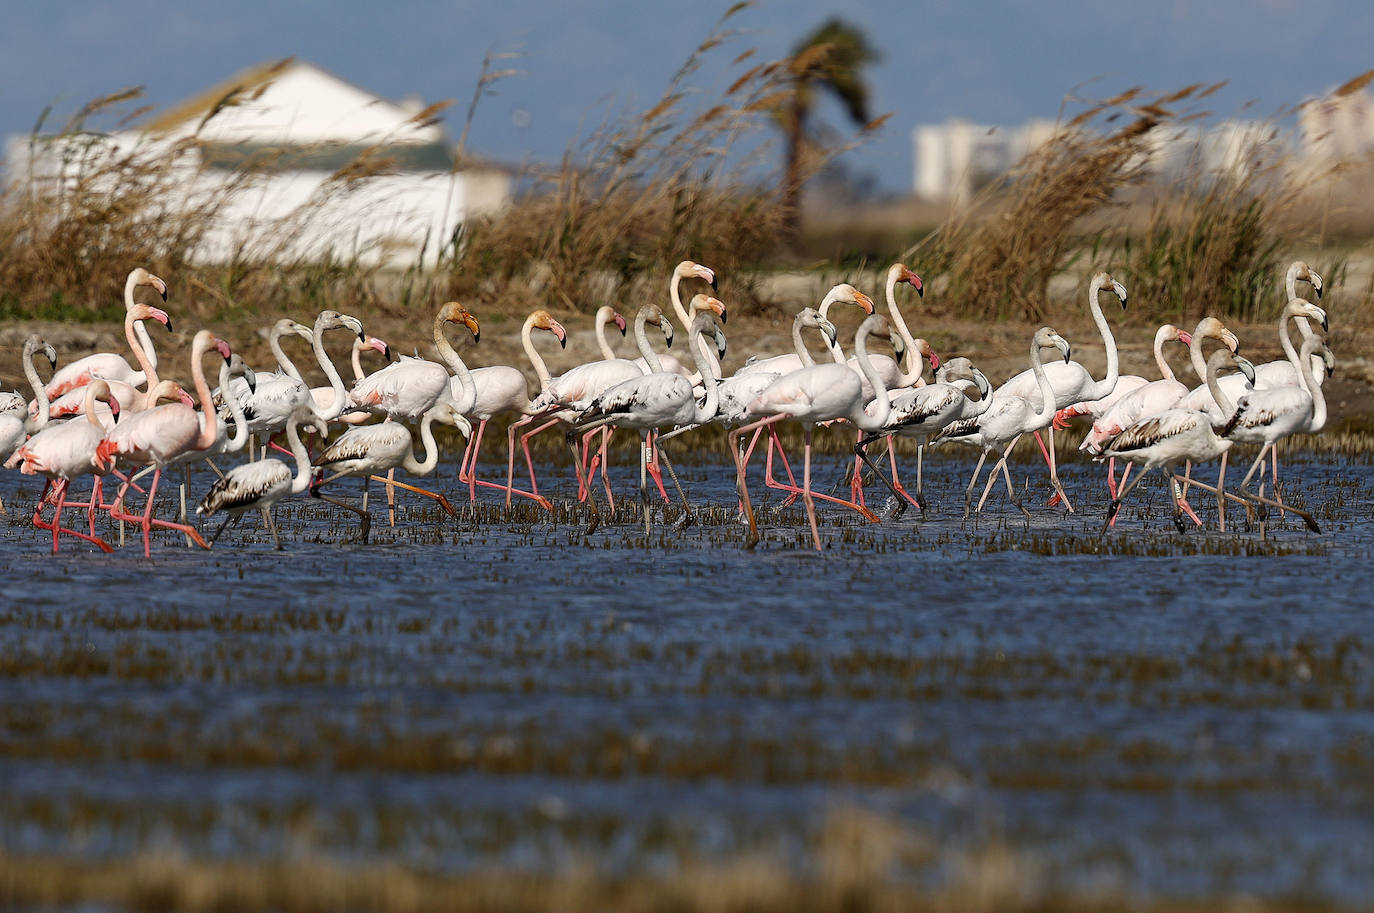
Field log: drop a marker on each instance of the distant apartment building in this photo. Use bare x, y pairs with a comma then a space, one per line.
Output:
954, 160
276, 144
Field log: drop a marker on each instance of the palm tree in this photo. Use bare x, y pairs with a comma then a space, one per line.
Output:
831, 59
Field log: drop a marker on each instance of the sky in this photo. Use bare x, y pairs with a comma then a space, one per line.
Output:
989, 62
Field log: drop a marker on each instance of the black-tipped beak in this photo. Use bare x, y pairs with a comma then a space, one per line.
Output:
562, 342
386, 352
715, 284
169, 325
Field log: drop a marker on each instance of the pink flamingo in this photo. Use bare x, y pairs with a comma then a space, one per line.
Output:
70, 401
16, 422
159, 434
108, 365
62, 451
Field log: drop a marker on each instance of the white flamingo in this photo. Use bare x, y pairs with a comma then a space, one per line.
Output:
687, 269
1007, 417
369, 449
820, 393
1267, 416
657, 400
1173, 437
409, 388
501, 389
260, 485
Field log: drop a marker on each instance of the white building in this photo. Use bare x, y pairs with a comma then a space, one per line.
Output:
956, 159
273, 145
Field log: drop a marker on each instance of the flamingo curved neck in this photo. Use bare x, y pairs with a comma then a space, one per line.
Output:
913, 368
709, 369
1290, 285
875, 418
239, 437
145, 341
357, 359
34, 422
455, 364
799, 344
676, 296
1042, 380
1105, 386
336, 383
1213, 384
426, 466
209, 421
642, 341
287, 366
1165, 371
304, 471
1195, 356
93, 394
1309, 380
537, 360
603, 317
148, 367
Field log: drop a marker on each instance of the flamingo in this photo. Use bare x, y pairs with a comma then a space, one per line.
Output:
502, 388
71, 400
921, 412
687, 269
1071, 382
409, 388
606, 315
652, 401
574, 390
157, 435
1173, 437
368, 449
16, 423
817, 394
1007, 417
1125, 383
261, 484
324, 396
108, 365
63, 451
1267, 416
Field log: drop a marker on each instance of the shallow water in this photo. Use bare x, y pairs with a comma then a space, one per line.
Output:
1169, 715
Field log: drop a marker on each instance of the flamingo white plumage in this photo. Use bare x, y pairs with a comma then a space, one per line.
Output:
109, 365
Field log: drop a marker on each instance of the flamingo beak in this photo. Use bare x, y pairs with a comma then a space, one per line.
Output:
161, 286
114, 409
51, 353
161, 317
934, 359
709, 275
1323, 318
1316, 281
380, 346
1246, 368
981, 379
251, 378
1120, 291
186, 398
915, 282
718, 306
557, 329
1185, 337
720, 341
223, 349
864, 302
829, 330
473, 326
667, 328
620, 323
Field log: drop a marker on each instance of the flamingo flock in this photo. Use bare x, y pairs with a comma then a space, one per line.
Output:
101, 417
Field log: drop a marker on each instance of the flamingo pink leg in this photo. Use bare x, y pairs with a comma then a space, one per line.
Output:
806, 487
796, 491
529, 460
652, 466
856, 480
56, 495
147, 522
896, 482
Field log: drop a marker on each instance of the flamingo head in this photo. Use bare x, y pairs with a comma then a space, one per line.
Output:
1047, 336
1215, 329
981, 379
148, 312
141, 276
928, 354
1104, 280
810, 317
619, 322
654, 314
707, 303
453, 312
372, 342
51, 354
846, 294
240, 367
543, 320
223, 349
329, 320
1301, 307
1304, 272
1183, 336
687, 269
1245, 367
300, 330
910, 278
